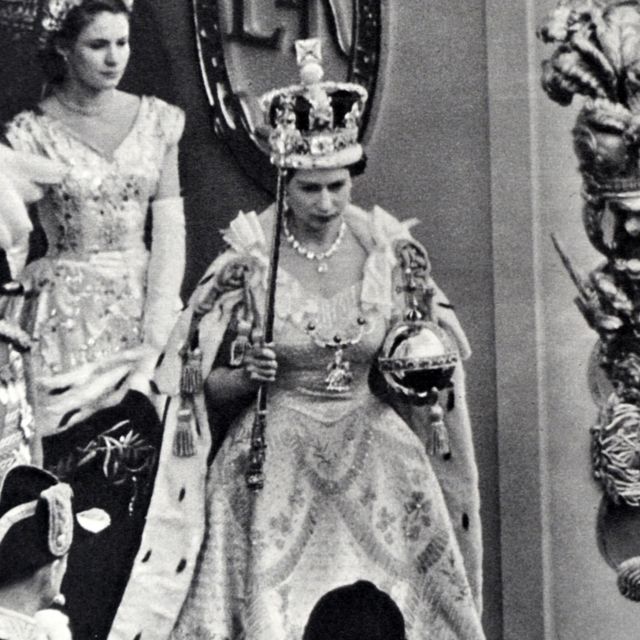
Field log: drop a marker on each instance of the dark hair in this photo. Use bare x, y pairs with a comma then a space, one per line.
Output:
77, 19
355, 169
358, 168
358, 611
24, 549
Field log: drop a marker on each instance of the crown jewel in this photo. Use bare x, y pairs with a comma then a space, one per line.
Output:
314, 124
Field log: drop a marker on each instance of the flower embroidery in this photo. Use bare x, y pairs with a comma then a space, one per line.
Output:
368, 496
456, 577
296, 499
385, 519
417, 515
257, 541
281, 523
323, 455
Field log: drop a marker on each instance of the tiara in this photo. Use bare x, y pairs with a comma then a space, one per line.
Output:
55, 12
314, 124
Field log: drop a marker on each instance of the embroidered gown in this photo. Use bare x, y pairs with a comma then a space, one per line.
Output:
88, 328
90, 285
349, 491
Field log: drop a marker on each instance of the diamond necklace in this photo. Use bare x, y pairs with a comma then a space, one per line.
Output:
89, 111
314, 255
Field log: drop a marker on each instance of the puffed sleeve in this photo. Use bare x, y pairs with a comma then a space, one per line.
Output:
23, 173
22, 133
171, 121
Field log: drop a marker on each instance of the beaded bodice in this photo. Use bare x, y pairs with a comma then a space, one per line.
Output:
101, 204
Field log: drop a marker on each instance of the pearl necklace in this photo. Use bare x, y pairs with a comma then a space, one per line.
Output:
314, 255
87, 111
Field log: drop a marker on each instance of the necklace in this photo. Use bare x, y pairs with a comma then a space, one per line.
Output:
314, 255
83, 110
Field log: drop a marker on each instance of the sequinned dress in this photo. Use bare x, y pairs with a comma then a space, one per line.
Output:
89, 323
350, 493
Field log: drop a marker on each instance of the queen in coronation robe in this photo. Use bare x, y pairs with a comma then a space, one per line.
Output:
347, 489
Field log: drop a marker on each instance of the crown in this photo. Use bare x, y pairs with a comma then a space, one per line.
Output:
314, 124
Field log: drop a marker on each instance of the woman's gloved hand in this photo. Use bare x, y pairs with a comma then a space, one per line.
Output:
260, 363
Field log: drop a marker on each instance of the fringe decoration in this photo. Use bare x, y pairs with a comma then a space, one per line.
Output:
191, 378
439, 444
184, 442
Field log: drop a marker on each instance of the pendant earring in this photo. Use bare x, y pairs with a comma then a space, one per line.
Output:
60, 600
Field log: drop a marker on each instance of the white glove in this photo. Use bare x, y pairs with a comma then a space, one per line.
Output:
164, 279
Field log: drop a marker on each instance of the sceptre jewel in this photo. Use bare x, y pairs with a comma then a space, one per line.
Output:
314, 255
339, 376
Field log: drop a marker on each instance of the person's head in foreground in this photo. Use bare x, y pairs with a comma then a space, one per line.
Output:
358, 611
36, 533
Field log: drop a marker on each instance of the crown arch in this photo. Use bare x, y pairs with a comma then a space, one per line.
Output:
245, 47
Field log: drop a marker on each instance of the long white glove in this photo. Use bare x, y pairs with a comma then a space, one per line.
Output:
21, 177
164, 278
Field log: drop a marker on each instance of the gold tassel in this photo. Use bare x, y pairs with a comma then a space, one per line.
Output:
191, 378
439, 444
184, 442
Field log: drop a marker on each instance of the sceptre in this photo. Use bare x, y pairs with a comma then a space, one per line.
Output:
326, 127
255, 470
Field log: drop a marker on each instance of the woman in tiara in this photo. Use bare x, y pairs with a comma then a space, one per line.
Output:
103, 303
349, 492
106, 304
